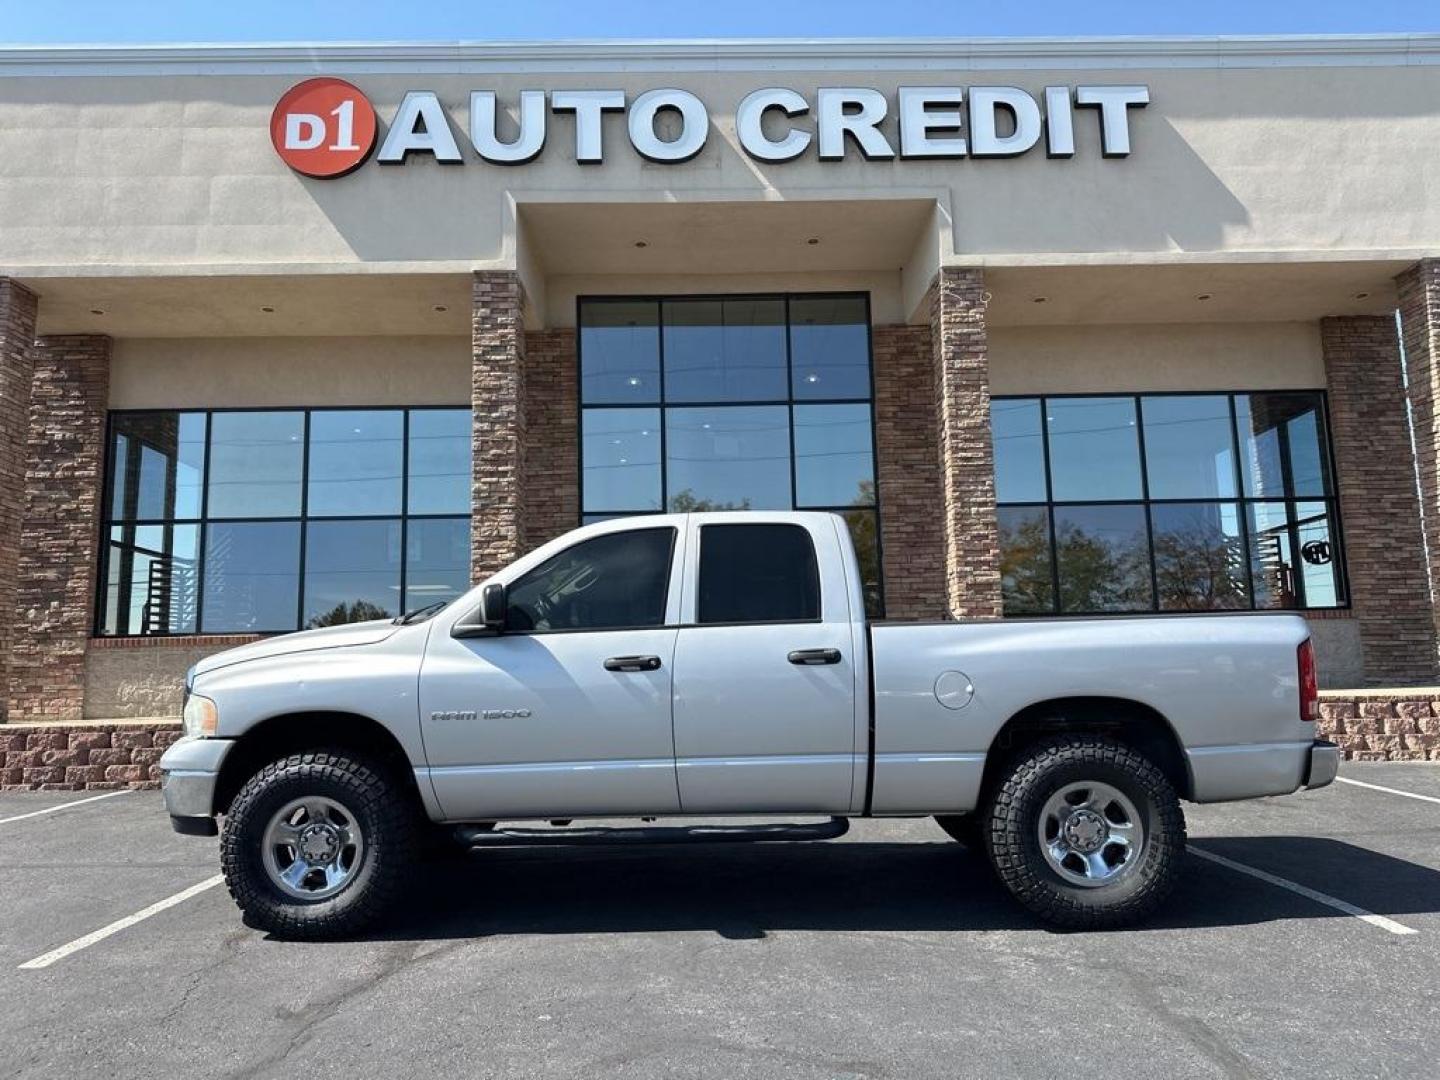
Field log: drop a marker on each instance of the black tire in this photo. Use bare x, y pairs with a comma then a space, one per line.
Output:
963, 827
1013, 824
385, 813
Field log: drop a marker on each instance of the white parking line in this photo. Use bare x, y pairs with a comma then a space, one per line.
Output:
1310, 894
119, 924
64, 806
1387, 790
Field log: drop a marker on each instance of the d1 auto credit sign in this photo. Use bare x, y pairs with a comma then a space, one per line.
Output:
323, 127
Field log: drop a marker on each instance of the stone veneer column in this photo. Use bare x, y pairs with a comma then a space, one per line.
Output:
551, 499
64, 475
1420, 333
17, 369
907, 472
967, 461
498, 435
1379, 507
18, 308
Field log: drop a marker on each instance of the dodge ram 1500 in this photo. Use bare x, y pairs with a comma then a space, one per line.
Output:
716, 664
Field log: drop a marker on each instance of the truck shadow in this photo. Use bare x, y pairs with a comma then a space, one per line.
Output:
746, 891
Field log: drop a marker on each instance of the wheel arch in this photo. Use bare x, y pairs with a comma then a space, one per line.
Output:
295, 732
1139, 726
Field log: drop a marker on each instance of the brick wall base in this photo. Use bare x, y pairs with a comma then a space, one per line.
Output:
1393, 725
1389, 725
88, 757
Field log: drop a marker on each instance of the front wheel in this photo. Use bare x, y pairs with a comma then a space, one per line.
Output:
1085, 832
318, 845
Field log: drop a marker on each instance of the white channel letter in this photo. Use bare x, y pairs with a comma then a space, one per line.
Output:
484, 128
420, 127
985, 105
1114, 103
694, 125
833, 105
926, 111
750, 124
589, 107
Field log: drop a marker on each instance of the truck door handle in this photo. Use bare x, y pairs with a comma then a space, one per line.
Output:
815, 656
633, 663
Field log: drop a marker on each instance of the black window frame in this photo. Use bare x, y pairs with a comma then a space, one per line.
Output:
664, 600
790, 401
1242, 502
203, 521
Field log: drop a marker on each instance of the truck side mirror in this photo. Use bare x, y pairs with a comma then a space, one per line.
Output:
487, 620
494, 600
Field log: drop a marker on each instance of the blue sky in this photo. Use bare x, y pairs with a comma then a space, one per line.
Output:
71, 21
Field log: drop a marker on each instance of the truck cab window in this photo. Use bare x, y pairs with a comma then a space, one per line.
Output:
610, 582
757, 573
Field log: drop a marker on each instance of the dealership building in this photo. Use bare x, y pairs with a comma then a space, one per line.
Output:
299, 335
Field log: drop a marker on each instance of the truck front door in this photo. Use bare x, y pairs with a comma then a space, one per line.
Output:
567, 713
765, 712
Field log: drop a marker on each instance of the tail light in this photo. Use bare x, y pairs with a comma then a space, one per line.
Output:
1309, 683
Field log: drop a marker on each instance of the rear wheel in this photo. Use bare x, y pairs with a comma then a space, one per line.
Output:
1086, 832
319, 845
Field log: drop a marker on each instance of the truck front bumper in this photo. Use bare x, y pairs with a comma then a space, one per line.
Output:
189, 773
1324, 763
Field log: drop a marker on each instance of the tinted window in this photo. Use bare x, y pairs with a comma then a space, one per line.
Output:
1103, 554
610, 582
725, 350
1282, 445
1189, 452
1094, 451
1019, 450
440, 461
620, 351
830, 347
352, 571
621, 450
728, 458
833, 463
256, 462
757, 573
1027, 583
356, 461
252, 576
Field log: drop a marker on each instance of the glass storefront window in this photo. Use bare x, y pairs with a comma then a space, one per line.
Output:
724, 350
1094, 448
1233, 508
740, 402
215, 518
356, 462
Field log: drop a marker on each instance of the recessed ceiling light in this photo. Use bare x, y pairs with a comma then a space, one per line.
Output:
1038, 299
641, 243
633, 381
812, 378
268, 310
441, 307
97, 311
813, 240
1203, 296
1362, 295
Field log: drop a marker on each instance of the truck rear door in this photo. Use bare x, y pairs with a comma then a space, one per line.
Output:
765, 670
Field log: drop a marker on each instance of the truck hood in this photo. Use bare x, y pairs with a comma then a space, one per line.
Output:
330, 637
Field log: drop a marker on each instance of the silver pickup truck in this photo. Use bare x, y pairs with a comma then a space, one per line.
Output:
720, 664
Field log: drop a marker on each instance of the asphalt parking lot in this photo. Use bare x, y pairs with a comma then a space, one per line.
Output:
889, 953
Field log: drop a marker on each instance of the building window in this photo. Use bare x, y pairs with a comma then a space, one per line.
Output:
250, 521
1166, 502
731, 403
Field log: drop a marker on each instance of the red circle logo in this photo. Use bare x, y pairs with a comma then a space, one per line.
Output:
323, 127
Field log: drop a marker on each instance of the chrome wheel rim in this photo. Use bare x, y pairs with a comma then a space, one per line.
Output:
312, 848
1090, 834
